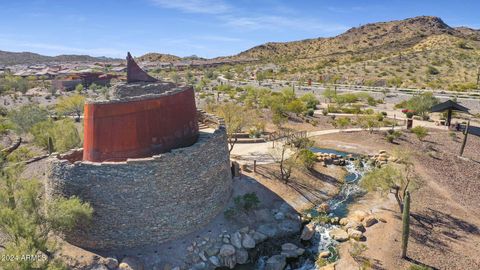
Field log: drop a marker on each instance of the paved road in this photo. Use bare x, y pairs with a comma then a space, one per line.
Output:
394, 95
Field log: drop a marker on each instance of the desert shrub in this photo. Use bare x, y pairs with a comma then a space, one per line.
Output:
321, 218
25, 117
295, 106
419, 267
453, 135
21, 154
307, 158
392, 135
342, 122
229, 213
310, 112
64, 134
27, 227
432, 70
421, 104
246, 202
420, 132
310, 101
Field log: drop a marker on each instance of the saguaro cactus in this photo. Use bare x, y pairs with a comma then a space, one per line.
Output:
465, 135
50, 145
406, 224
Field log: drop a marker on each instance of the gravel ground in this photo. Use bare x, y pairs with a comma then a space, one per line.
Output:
445, 211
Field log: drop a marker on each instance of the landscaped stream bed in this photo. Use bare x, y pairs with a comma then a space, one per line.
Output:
321, 240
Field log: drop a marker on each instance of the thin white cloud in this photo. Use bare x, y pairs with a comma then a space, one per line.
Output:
282, 22
195, 6
236, 19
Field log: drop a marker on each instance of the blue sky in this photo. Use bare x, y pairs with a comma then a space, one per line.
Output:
206, 28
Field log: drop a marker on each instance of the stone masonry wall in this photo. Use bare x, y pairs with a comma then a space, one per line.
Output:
147, 200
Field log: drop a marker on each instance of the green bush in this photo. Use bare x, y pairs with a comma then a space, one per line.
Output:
310, 101
246, 202
342, 122
64, 134
420, 132
21, 154
419, 267
310, 112
433, 70
25, 117
392, 135
307, 158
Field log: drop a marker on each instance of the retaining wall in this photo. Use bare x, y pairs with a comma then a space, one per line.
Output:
145, 201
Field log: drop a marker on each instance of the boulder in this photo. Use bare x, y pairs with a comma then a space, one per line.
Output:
130, 263
369, 221
338, 234
290, 250
248, 241
259, 237
227, 256
214, 260
99, 267
212, 250
324, 254
241, 256
334, 220
199, 266
288, 226
355, 225
111, 263
202, 256
358, 215
324, 207
236, 239
226, 250
343, 221
354, 234
269, 230
308, 231
279, 216
276, 262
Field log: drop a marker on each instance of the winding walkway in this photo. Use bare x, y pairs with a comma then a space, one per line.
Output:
246, 153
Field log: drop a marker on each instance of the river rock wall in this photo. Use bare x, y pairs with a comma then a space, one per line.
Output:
146, 201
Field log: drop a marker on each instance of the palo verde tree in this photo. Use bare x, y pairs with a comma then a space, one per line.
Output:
72, 105
293, 151
25, 117
235, 120
395, 178
28, 222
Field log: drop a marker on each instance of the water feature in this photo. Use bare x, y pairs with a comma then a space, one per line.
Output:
338, 208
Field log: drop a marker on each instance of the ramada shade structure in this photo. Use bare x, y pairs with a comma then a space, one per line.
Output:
449, 106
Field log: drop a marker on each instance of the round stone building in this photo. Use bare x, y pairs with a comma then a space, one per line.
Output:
147, 169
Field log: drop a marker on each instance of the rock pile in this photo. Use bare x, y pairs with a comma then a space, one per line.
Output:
327, 159
231, 248
382, 158
353, 226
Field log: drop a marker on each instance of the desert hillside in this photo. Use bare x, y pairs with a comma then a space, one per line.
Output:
416, 52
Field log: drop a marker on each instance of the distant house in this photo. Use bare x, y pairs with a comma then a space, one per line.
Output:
69, 82
119, 69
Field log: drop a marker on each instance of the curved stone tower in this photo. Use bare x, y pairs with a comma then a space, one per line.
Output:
147, 170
